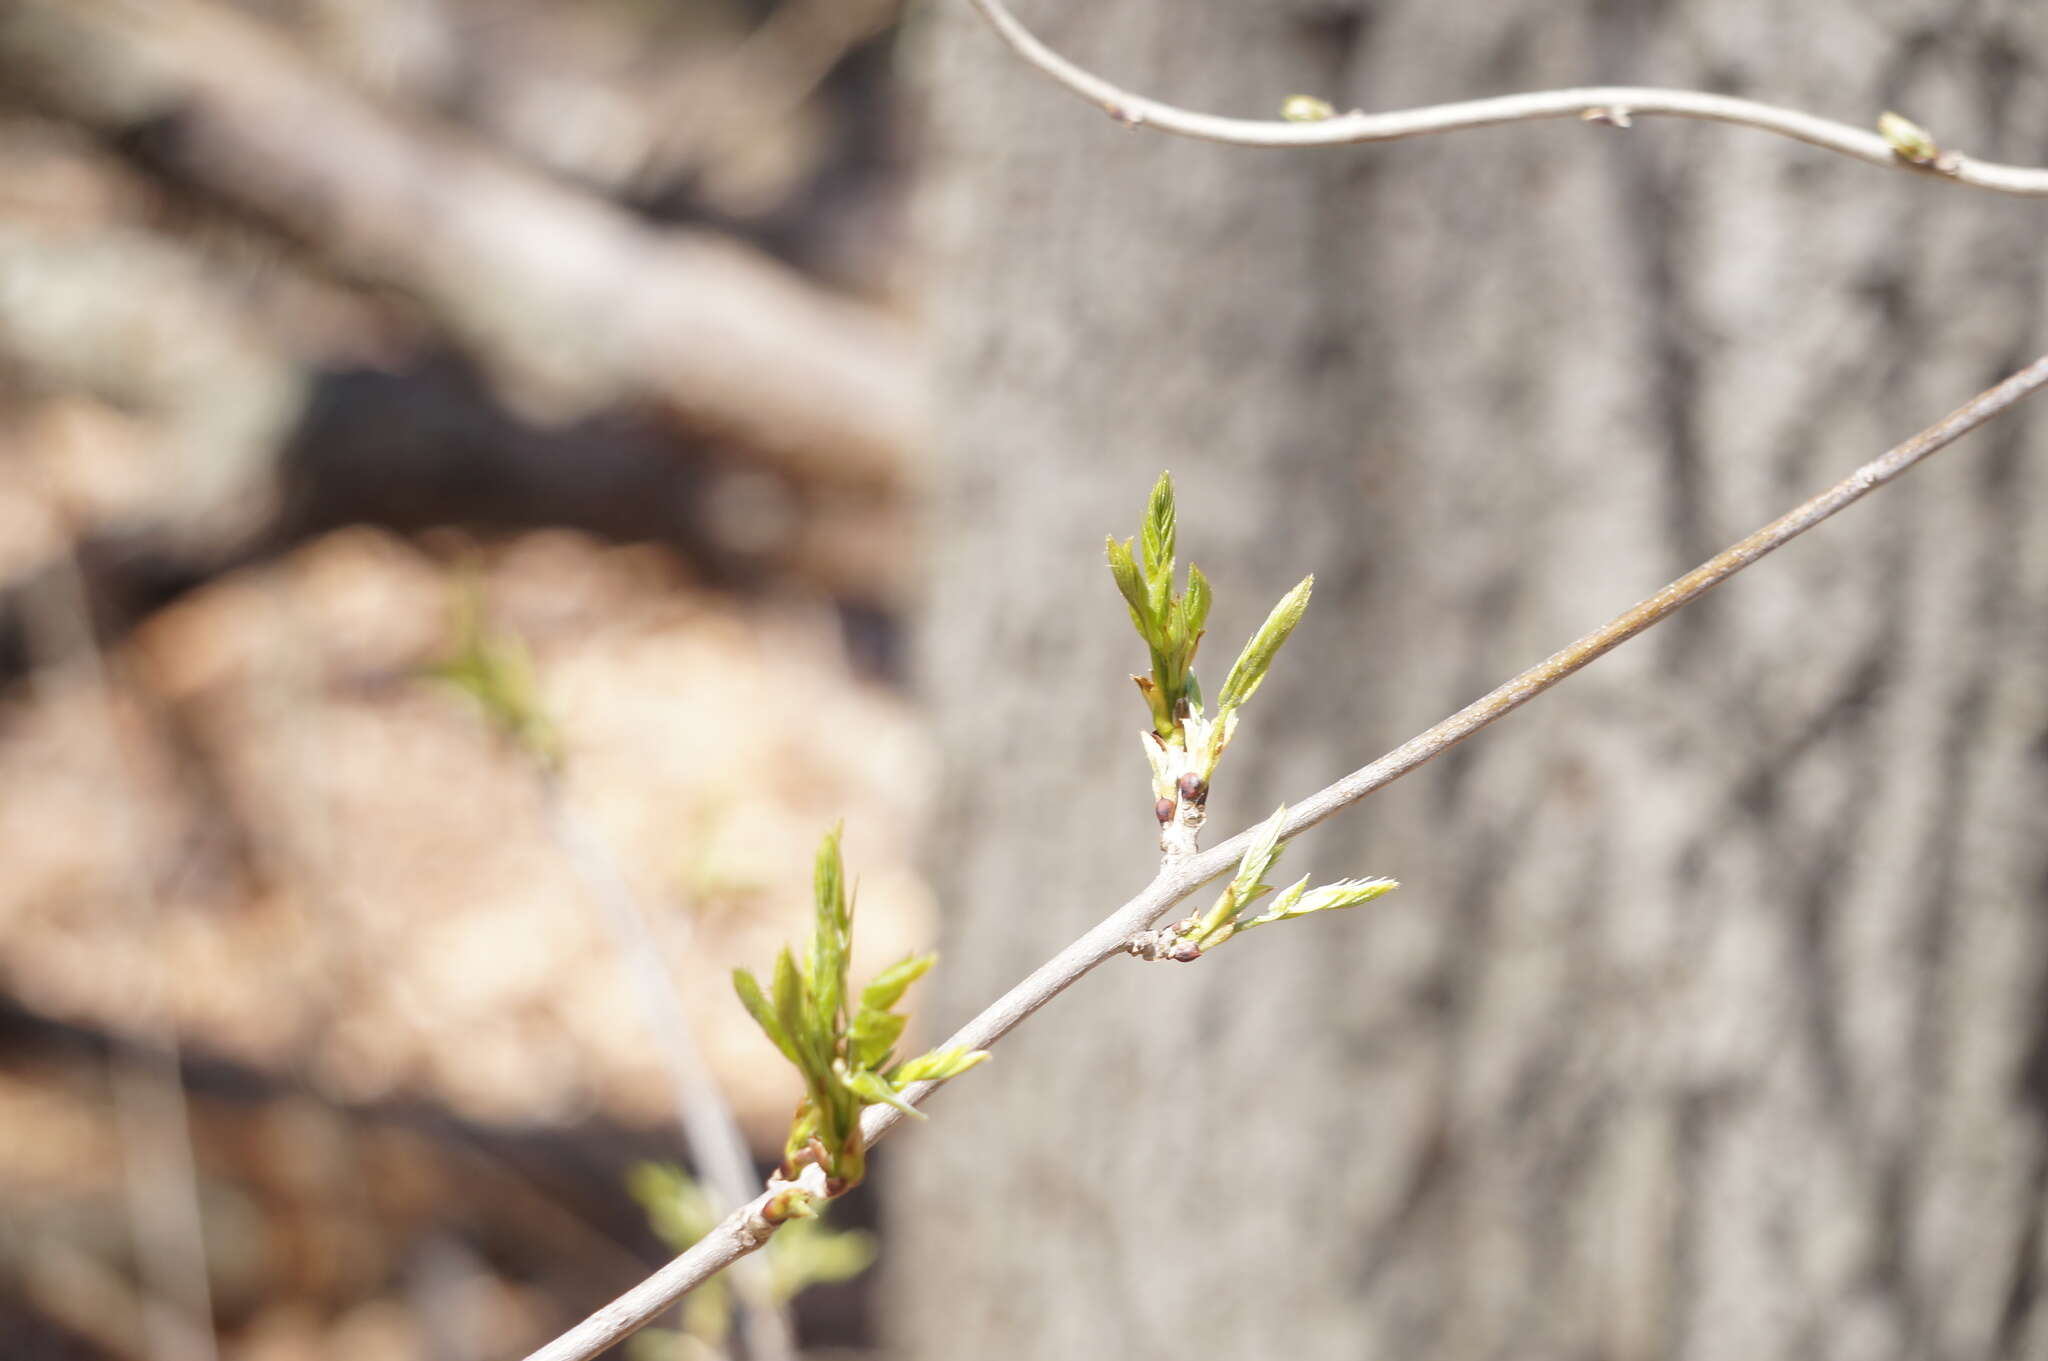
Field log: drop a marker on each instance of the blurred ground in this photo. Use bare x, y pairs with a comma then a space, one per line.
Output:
640, 377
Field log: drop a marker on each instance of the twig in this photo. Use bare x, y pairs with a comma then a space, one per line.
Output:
1615, 104
162, 1181
706, 1117
1179, 877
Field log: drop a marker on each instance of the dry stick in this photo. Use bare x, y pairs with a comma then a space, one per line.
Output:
706, 1117
162, 1173
747, 1229
1614, 104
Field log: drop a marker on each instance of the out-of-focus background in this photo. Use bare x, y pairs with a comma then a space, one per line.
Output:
771, 370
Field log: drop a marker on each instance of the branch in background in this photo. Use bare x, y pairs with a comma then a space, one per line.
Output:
706, 121
1178, 877
495, 671
571, 303
1897, 145
162, 1177
706, 1118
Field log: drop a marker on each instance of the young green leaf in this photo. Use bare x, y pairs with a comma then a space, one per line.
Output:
1250, 668
1343, 893
749, 989
1247, 885
790, 1006
888, 986
1132, 586
874, 1089
831, 941
874, 1034
1259, 857
938, 1065
1195, 605
1158, 532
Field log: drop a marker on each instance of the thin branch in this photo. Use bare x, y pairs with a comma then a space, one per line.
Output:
166, 1221
1179, 877
1616, 104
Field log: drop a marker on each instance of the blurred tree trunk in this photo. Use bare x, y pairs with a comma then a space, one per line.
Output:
1711, 1022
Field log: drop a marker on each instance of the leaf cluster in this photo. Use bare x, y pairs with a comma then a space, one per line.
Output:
843, 1046
1172, 625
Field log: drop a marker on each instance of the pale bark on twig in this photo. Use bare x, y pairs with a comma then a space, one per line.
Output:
1615, 105
1180, 877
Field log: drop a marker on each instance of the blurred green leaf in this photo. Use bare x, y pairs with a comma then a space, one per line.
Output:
495, 672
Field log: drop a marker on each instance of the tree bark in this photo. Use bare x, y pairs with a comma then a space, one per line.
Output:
1710, 1021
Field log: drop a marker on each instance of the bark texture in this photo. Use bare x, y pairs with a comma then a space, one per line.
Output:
1711, 1022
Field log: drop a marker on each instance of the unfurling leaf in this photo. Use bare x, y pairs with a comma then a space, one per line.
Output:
888, 986
1158, 533
1259, 857
1132, 587
1196, 603
874, 1089
1249, 670
1306, 109
790, 1007
938, 1065
832, 939
1343, 893
874, 1034
749, 989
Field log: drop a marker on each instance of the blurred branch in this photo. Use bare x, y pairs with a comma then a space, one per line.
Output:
162, 1178
763, 80
706, 1117
571, 303
132, 319
1616, 105
1179, 876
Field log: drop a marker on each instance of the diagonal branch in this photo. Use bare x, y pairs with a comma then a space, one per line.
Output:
1616, 104
747, 1228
